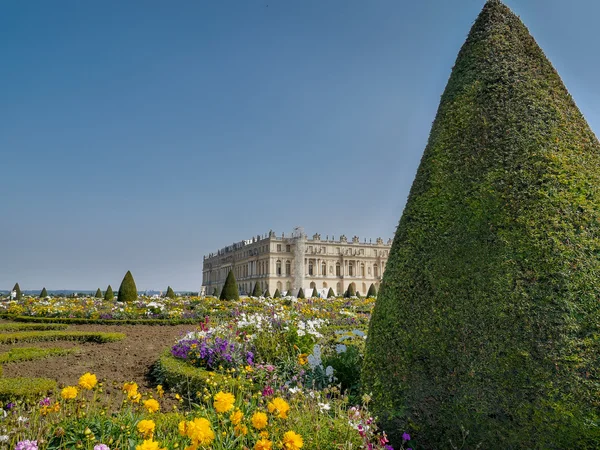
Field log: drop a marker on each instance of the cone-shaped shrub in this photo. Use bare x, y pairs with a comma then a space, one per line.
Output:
17, 289
257, 291
372, 291
215, 292
314, 292
488, 315
170, 293
267, 294
108, 294
277, 294
351, 291
330, 293
230, 288
300, 293
127, 290
98, 293
44, 293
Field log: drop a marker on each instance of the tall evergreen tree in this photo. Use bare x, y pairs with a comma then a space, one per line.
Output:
44, 293
98, 293
108, 294
330, 293
170, 293
127, 290
267, 294
300, 293
314, 292
17, 289
277, 294
230, 288
372, 291
257, 291
487, 319
351, 291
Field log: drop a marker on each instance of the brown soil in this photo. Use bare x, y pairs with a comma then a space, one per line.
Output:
130, 359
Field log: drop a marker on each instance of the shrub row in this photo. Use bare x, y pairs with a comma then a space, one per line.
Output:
31, 326
12, 389
31, 353
83, 321
81, 336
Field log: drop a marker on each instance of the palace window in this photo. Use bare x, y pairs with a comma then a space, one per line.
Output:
362, 270
376, 270
310, 268
323, 269
288, 248
337, 269
351, 269
278, 267
278, 247
288, 268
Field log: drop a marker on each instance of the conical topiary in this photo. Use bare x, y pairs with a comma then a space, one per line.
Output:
351, 291
230, 288
372, 291
330, 293
98, 293
44, 293
127, 290
257, 291
267, 294
277, 294
215, 292
314, 292
170, 293
488, 318
108, 294
17, 289
300, 293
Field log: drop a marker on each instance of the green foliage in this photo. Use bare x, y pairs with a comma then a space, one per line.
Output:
109, 295
170, 293
277, 294
98, 293
257, 291
314, 293
346, 365
372, 293
4, 327
330, 293
18, 290
230, 289
300, 293
488, 315
31, 389
351, 291
44, 293
127, 290
80, 336
31, 353
267, 294
83, 321
215, 292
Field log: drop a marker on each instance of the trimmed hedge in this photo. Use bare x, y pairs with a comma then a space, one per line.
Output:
31, 389
109, 295
32, 353
230, 288
372, 291
80, 336
83, 321
187, 380
4, 327
488, 315
127, 290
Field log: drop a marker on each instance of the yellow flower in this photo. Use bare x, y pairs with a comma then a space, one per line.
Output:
302, 358
240, 429
146, 428
160, 391
236, 417
69, 392
264, 434
130, 388
223, 401
151, 405
198, 430
279, 407
88, 381
259, 420
292, 441
263, 444
149, 445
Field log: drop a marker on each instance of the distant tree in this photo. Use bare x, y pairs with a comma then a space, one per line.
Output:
330, 293
98, 293
127, 290
109, 295
44, 293
230, 288
267, 294
351, 292
170, 293
314, 292
215, 292
301, 293
18, 290
358, 294
277, 294
372, 291
257, 291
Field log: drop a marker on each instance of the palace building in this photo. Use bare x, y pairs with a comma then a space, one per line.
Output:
290, 262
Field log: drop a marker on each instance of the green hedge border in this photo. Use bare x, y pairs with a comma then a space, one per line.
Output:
19, 354
82, 321
80, 336
4, 327
12, 389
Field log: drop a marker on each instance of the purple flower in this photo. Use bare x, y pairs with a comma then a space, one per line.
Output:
406, 437
26, 445
101, 447
45, 402
268, 390
9, 406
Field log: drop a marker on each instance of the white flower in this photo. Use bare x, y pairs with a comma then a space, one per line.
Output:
324, 406
4, 438
340, 348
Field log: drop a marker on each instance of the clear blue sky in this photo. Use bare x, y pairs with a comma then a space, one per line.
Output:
141, 135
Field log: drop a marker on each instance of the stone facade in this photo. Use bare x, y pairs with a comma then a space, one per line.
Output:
290, 262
